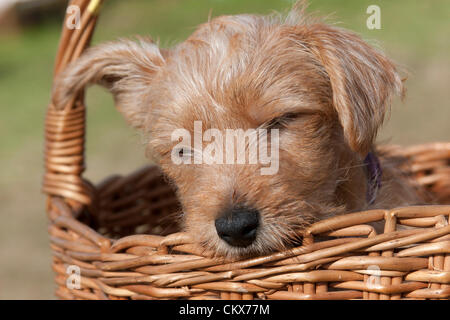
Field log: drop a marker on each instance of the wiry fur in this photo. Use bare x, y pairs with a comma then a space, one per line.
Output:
327, 89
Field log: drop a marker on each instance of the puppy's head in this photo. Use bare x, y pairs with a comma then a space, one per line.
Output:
319, 92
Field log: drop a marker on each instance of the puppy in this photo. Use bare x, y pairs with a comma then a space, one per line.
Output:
320, 90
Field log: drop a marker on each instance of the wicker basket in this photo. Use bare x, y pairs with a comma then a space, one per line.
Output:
120, 240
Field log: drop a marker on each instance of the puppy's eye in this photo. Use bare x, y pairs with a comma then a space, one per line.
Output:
184, 152
281, 121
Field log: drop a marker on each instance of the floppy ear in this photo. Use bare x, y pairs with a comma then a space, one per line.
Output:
362, 81
125, 68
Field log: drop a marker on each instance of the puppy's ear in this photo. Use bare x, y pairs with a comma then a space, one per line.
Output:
126, 68
362, 81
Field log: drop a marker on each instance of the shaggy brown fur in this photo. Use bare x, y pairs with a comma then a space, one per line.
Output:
322, 86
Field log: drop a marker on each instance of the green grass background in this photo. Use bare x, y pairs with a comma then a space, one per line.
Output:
415, 33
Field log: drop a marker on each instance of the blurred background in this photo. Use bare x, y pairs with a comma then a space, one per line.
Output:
415, 33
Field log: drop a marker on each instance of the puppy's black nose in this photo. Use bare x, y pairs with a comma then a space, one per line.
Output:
238, 227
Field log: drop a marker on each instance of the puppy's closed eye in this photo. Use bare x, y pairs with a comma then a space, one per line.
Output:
282, 121
183, 151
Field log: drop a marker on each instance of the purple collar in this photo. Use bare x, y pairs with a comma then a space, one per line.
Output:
374, 174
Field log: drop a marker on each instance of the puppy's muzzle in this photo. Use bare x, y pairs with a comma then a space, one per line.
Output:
238, 227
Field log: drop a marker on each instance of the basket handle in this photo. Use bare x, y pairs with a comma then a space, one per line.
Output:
65, 128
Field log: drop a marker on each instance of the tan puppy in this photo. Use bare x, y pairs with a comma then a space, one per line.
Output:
323, 88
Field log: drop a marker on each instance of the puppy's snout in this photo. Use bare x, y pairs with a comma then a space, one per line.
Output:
238, 227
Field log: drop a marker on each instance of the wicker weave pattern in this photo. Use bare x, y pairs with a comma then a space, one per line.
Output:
122, 236
354, 263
